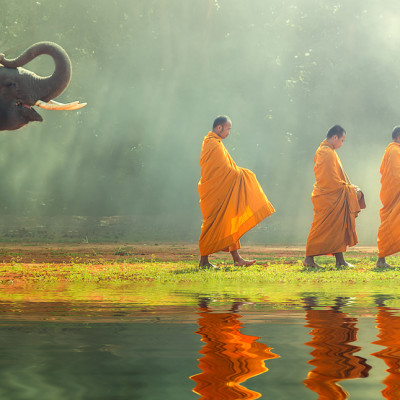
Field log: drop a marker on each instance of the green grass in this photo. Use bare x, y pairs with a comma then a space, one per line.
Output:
270, 270
282, 281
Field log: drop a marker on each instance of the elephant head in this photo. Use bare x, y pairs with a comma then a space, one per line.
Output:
21, 89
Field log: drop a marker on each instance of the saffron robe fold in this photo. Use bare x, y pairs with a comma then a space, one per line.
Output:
335, 206
333, 356
231, 199
389, 230
388, 323
229, 358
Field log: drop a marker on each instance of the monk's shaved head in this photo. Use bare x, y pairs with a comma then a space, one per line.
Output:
221, 120
335, 130
396, 132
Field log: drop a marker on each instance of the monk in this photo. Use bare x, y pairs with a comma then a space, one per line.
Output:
335, 204
389, 230
231, 200
333, 333
229, 357
388, 323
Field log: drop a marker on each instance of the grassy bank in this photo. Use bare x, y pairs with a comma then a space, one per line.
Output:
173, 268
273, 270
158, 276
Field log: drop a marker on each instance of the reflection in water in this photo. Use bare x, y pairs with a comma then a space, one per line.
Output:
389, 337
334, 361
229, 357
97, 350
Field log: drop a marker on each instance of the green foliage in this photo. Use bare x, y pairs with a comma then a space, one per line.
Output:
155, 73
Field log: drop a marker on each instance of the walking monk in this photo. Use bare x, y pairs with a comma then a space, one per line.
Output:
389, 230
231, 199
335, 204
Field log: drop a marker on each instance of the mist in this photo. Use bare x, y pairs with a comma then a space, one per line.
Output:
155, 74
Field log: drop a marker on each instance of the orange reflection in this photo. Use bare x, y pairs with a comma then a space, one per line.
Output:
389, 337
229, 358
334, 359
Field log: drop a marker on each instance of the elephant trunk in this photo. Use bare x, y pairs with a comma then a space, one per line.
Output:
51, 86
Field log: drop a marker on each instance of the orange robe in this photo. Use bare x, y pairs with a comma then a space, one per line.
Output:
335, 206
231, 199
334, 359
389, 230
229, 358
389, 336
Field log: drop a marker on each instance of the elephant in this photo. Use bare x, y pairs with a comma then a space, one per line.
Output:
21, 89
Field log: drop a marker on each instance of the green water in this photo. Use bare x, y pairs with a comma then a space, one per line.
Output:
212, 347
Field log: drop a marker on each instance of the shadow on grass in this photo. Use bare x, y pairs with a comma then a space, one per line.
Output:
321, 268
328, 268
384, 269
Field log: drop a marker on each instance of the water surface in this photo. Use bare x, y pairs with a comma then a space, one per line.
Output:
57, 346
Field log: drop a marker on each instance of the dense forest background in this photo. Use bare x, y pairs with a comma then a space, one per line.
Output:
155, 73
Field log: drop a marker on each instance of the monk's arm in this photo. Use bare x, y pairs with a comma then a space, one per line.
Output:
224, 161
394, 165
326, 170
215, 161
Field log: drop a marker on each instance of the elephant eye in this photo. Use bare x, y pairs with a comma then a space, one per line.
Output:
10, 84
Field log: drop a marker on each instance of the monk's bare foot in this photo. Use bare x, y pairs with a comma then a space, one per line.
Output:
241, 262
205, 264
312, 265
309, 262
344, 264
381, 263
340, 262
208, 265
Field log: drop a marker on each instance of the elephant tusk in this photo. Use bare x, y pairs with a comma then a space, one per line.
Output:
55, 105
69, 106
